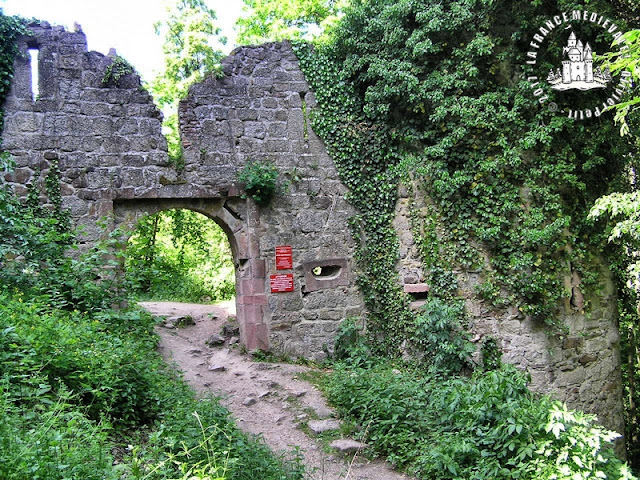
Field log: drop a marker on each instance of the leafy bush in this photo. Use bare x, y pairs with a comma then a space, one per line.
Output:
52, 439
350, 344
72, 383
260, 181
438, 339
117, 69
489, 426
180, 255
110, 374
34, 240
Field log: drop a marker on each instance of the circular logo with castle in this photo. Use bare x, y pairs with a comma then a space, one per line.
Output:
563, 69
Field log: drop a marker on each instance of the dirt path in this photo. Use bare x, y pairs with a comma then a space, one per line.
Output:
265, 398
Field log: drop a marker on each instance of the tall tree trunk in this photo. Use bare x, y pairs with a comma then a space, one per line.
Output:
151, 254
632, 355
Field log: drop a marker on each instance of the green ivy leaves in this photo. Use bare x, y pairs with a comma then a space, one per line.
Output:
433, 90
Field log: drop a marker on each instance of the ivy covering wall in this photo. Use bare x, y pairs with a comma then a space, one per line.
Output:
10, 29
437, 92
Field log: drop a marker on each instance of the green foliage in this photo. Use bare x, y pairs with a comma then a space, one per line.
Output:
10, 29
274, 20
430, 92
438, 340
491, 354
624, 208
189, 34
34, 239
628, 60
192, 50
350, 344
92, 357
260, 181
52, 440
117, 69
180, 255
362, 153
73, 384
433, 95
489, 426
498, 168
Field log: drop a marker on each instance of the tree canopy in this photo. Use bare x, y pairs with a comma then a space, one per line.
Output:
192, 50
272, 20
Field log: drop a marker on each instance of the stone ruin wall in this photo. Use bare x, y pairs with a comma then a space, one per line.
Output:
581, 368
102, 138
113, 161
259, 111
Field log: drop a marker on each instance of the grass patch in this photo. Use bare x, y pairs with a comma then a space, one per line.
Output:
76, 387
487, 426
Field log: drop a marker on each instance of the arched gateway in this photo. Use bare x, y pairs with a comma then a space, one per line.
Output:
106, 139
231, 215
293, 258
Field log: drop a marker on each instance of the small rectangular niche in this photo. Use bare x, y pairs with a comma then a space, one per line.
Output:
330, 273
34, 55
418, 294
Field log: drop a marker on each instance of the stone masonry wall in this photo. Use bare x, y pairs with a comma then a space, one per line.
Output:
581, 368
259, 111
104, 139
113, 161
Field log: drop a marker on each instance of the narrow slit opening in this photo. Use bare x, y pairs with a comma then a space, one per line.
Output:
34, 54
305, 118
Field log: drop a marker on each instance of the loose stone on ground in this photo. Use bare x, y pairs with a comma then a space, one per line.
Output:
267, 399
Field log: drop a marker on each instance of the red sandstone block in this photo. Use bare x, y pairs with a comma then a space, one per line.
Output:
252, 286
257, 286
242, 245
252, 300
252, 314
250, 339
416, 288
258, 269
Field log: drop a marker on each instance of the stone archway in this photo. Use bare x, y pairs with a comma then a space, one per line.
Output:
233, 216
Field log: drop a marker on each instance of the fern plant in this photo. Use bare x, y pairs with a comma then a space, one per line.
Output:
260, 180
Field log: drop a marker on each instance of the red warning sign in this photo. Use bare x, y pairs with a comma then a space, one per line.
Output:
282, 283
284, 257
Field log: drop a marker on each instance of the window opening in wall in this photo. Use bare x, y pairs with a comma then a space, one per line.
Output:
327, 272
183, 256
305, 117
34, 54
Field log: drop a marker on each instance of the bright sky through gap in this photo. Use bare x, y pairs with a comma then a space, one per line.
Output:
126, 25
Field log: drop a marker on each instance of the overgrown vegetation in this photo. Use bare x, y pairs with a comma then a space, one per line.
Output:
489, 426
430, 94
10, 29
117, 69
419, 92
621, 207
180, 255
83, 391
260, 181
427, 90
435, 424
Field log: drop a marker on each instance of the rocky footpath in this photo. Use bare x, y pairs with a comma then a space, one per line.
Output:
267, 399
